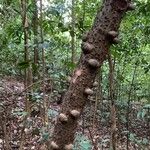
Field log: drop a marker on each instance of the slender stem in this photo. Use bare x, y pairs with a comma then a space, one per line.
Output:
112, 98
73, 32
128, 108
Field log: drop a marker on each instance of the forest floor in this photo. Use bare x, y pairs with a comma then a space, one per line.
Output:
29, 133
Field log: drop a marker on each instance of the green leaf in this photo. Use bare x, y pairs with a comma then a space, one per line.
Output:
45, 136
20, 113
24, 65
132, 137
143, 113
145, 141
52, 113
147, 106
82, 142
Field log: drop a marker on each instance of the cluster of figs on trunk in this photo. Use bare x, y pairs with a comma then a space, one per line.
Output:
93, 63
63, 118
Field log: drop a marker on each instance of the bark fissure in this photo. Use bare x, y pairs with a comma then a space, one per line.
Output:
108, 19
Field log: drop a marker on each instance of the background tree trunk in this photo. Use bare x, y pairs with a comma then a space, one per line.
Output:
35, 24
112, 102
28, 71
95, 46
35, 32
73, 33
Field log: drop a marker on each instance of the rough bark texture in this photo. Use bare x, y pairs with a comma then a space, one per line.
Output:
95, 46
112, 106
35, 31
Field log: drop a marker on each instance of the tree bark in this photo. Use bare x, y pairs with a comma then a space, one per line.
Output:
28, 72
95, 46
73, 33
35, 31
113, 105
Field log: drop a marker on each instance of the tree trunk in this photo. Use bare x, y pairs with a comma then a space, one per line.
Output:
113, 105
128, 108
35, 31
95, 46
73, 33
28, 72
35, 24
